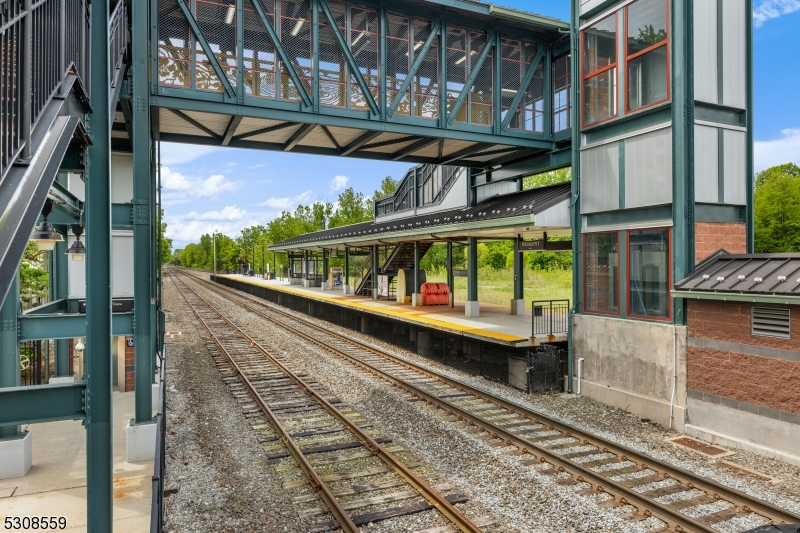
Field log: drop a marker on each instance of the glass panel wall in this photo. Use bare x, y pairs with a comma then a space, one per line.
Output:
599, 55
647, 53
649, 273
602, 272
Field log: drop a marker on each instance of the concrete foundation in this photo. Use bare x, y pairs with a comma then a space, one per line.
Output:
746, 431
472, 309
366, 325
62, 379
347, 289
518, 373
155, 394
452, 300
16, 456
630, 364
140, 442
325, 286
518, 307
424, 343
416, 300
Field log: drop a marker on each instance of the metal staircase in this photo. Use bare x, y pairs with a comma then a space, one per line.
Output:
402, 257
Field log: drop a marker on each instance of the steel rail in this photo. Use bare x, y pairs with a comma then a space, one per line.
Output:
438, 501
670, 516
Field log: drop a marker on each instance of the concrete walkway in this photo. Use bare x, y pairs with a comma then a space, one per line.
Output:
56, 484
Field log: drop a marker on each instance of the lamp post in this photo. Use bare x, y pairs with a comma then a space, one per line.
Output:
215, 253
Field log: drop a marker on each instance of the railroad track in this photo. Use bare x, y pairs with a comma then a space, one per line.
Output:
310, 422
688, 502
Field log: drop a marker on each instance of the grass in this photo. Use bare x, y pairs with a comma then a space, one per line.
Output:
496, 286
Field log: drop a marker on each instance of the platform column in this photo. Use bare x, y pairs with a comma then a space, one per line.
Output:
61, 290
450, 283
416, 297
518, 303
472, 308
375, 272
325, 285
99, 441
346, 280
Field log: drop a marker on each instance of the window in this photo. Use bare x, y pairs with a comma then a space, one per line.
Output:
601, 272
771, 322
649, 273
647, 53
599, 63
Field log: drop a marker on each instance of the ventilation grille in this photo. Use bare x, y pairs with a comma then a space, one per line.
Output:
771, 322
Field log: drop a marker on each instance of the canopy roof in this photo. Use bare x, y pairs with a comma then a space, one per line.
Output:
502, 216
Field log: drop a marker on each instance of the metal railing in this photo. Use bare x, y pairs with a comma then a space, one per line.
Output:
159, 461
550, 317
41, 42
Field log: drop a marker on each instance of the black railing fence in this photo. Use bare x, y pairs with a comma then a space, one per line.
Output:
35, 359
550, 317
159, 461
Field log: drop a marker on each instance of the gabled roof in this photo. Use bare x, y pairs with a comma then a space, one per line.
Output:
496, 208
746, 274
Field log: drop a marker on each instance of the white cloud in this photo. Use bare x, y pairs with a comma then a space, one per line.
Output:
778, 151
772, 9
178, 154
176, 183
255, 166
173, 181
338, 183
230, 212
186, 228
213, 186
288, 202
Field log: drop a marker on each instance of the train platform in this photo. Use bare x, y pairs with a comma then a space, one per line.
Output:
56, 483
495, 325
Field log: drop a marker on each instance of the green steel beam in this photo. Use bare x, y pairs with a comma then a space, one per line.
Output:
122, 216
209, 53
9, 347
519, 286
315, 86
42, 403
473, 75
418, 60
143, 216
526, 80
472, 269
99, 439
575, 205
50, 308
68, 326
282, 55
61, 292
537, 165
348, 54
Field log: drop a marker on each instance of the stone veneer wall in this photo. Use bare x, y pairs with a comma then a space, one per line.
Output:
725, 360
711, 236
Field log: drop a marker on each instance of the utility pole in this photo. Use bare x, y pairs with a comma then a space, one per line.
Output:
215, 252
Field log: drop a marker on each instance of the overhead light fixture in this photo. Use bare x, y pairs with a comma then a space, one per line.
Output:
77, 251
46, 237
230, 14
298, 27
463, 58
358, 38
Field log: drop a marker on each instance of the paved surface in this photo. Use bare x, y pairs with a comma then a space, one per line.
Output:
495, 324
56, 484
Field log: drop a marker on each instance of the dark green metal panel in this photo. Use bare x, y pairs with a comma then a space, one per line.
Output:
68, 326
472, 269
720, 114
519, 278
9, 346
628, 216
653, 116
122, 216
42, 403
719, 213
575, 211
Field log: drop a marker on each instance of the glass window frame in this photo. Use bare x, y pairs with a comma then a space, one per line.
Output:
628, 58
629, 293
619, 280
597, 72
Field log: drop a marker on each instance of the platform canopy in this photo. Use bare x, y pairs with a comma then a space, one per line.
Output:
433, 81
529, 214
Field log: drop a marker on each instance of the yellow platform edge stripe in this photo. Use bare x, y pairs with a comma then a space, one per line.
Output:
441, 324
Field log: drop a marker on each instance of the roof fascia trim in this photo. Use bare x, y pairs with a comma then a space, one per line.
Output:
779, 299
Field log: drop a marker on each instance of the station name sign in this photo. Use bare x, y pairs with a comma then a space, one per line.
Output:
545, 246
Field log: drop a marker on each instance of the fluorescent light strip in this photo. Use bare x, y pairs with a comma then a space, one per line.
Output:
298, 27
230, 14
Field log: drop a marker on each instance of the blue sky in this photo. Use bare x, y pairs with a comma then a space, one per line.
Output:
227, 189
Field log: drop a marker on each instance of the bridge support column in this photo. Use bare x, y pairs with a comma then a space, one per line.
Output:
472, 309
61, 290
416, 297
518, 303
15, 446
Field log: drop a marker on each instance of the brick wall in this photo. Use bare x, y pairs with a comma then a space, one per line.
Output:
755, 379
711, 236
130, 381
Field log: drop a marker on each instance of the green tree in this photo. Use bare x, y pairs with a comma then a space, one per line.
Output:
166, 242
352, 208
649, 34
777, 210
547, 178
33, 276
387, 187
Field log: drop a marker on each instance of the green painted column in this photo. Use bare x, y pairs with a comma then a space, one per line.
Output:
518, 305
99, 448
472, 307
575, 205
449, 263
9, 347
375, 272
142, 219
325, 267
346, 269
61, 290
417, 271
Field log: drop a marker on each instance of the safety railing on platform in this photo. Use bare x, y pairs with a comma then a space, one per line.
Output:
550, 317
159, 461
41, 42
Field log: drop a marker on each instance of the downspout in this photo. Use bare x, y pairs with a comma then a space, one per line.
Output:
674, 374
574, 207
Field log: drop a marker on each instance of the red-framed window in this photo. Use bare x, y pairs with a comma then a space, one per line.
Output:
647, 54
601, 273
599, 71
649, 265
